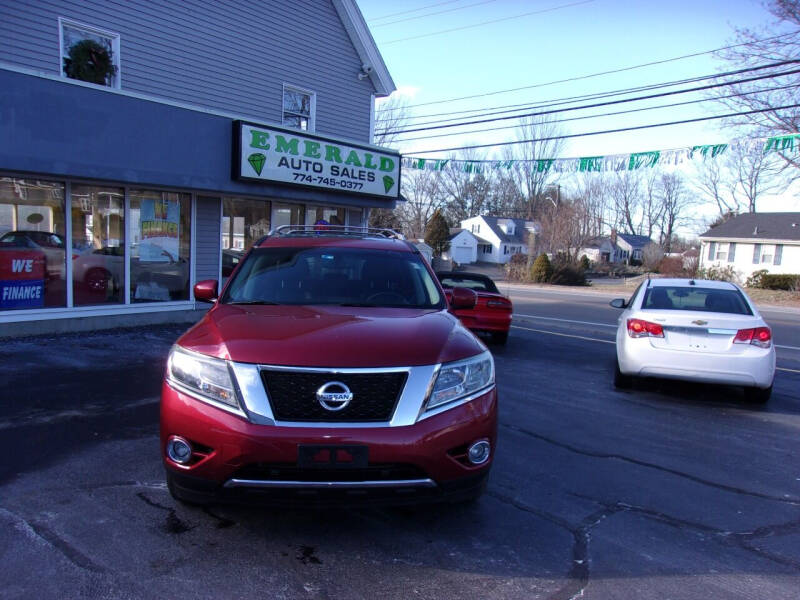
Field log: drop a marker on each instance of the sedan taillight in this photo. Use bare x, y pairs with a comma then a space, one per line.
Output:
639, 328
758, 336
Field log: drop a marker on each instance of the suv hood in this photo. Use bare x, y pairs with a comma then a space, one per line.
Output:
331, 336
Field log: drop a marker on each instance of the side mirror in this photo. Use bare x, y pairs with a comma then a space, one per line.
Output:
463, 298
206, 290
619, 303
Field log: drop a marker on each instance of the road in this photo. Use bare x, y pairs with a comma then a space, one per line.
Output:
667, 490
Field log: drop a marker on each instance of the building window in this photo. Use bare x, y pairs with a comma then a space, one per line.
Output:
89, 54
160, 233
486, 248
98, 245
32, 244
244, 221
299, 107
505, 250
778, 254
287, 214
332, 216
766, 255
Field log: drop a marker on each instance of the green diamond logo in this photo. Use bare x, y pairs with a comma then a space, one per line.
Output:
388, 182
257, 161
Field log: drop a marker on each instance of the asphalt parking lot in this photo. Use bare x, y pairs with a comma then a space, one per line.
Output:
666, 491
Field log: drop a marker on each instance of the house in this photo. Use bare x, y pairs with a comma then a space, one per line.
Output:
499, 238
598, 250
754, 241
628, 247
463, 247
147, 139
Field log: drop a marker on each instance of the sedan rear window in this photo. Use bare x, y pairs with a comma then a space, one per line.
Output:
334, 275
696, 299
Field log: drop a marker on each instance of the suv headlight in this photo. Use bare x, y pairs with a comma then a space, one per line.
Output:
202, 376
460, 379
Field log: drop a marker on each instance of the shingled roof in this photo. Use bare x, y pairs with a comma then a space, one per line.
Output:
783, 226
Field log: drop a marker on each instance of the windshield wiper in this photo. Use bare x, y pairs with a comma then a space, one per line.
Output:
261, 302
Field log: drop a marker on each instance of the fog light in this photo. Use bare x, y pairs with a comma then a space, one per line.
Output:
179, 450
478, 452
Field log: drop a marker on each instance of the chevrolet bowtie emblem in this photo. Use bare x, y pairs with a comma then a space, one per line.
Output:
700, 322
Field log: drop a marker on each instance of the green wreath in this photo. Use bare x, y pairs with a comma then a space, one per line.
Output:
90, 61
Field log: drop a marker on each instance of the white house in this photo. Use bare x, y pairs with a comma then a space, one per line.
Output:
598, 250
463, 247
499, 238
425, 250
754, 241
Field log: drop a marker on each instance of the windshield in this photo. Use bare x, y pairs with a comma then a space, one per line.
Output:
695, 298
473, 282
341, 276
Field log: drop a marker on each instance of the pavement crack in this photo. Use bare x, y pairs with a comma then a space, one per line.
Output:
172, 524
606, 455
42, 532
578, 575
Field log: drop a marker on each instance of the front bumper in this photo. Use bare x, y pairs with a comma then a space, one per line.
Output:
239, 459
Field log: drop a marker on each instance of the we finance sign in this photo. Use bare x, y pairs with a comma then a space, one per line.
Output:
270, 154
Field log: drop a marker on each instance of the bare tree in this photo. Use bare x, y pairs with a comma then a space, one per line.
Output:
532, 177
465, 188
626, 194
762, 47
391, 115
754, 174
652, 207
712, 180
675, 202
424, 195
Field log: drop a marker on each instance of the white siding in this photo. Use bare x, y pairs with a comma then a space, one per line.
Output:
743, 257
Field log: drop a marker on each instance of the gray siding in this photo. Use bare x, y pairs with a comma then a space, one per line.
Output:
224, 55
208, 240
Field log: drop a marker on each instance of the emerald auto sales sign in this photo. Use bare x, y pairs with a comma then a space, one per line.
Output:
271, 154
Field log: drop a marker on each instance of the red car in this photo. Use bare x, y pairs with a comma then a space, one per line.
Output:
329, 368
492, 312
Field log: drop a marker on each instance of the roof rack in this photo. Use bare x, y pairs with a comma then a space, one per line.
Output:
333, 231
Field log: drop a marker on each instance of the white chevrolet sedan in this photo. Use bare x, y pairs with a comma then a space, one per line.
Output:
697, 330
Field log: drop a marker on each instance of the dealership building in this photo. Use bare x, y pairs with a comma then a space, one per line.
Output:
144, 146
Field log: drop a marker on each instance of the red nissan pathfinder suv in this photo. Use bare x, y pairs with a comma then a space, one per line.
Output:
329, 368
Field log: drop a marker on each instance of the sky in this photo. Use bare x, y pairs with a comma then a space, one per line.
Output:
536, 42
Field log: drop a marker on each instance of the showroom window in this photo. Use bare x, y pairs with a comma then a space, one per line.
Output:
299, 107
98, 245
160, 236
287, 214
243, 222
319, 214
89, 54
32, 244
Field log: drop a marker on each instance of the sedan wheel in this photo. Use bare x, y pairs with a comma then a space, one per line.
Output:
621, 381
757, 395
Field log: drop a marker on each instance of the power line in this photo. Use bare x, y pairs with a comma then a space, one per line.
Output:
481, 24
599, 74
447, 10
619, 130
405, 12
609, 114
598, 104
597, 95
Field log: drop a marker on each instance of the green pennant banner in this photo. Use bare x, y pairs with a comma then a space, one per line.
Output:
711, 149
590, 163
643, 159
781, 143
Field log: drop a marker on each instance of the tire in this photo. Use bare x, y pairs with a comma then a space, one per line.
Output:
499, 337
175, 492
756, 395
621, 381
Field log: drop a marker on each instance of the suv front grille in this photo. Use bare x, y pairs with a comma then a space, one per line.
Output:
290, 472
292, 395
